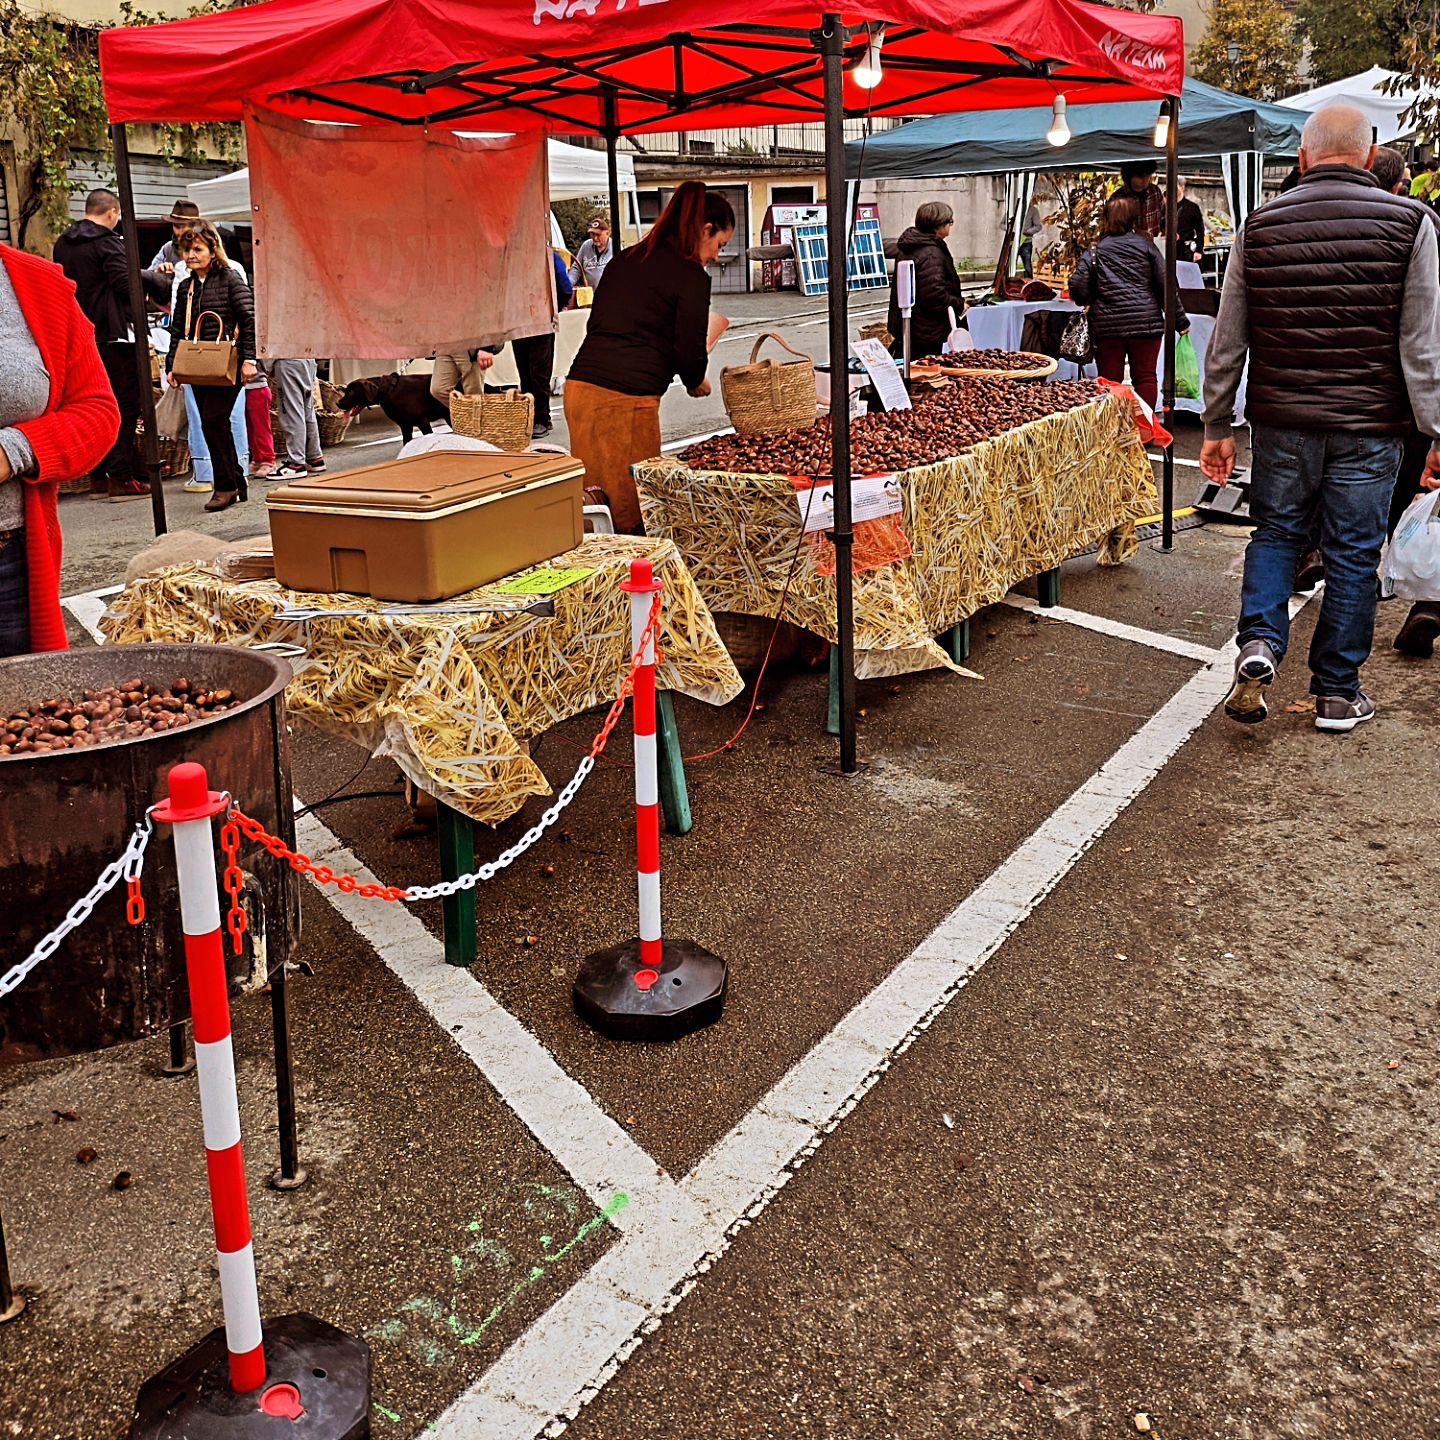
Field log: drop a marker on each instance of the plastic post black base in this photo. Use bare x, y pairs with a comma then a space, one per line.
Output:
1226, 502
688, 994
191, 1398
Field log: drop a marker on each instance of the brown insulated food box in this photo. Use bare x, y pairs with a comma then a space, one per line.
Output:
425, 528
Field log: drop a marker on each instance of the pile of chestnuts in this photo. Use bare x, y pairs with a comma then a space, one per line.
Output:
100, 717
943, 423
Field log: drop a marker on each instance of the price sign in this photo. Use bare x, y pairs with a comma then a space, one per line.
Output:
884, 374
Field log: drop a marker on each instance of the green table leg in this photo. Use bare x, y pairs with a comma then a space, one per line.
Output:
956, 641
674, 793
457, 857
1048, 583
832, 709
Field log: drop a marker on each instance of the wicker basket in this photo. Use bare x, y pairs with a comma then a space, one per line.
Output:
328, 396
503, 418
746, 637
767, 396
333, 425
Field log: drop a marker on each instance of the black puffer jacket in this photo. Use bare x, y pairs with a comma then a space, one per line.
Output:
1123, 283
224, 294
94, 258
937, 290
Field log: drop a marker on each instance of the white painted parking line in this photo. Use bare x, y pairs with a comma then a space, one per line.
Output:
598, 1152
1116, 628
89, 607
569, 1354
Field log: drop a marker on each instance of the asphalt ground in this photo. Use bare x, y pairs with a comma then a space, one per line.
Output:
1179, 1175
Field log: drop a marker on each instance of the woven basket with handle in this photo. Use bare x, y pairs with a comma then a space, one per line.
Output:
769, 395
503, 418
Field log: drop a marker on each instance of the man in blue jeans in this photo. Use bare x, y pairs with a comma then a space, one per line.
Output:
1333, 289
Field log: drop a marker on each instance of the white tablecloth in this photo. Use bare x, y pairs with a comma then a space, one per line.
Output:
1000, 327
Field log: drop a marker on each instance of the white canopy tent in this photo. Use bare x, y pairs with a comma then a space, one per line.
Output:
575, 174
1386, 112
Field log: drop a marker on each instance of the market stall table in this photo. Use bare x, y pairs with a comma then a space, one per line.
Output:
1001, 327
454, 697
1011, 508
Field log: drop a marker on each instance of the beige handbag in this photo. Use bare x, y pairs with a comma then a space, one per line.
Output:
769, 395
205, 362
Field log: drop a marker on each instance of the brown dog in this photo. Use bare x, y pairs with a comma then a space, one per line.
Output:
405, 399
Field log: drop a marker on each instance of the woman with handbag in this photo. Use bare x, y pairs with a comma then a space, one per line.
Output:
650, 321
1122, 280
212, 347
58, 420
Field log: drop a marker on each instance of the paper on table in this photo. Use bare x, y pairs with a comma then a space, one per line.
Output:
870, 498
718, 326
884, 373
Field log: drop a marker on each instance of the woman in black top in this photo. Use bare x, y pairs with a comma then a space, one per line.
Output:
213, 288
648, 323
1122, 280
937, 282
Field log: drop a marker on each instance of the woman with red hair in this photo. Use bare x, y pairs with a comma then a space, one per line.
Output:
58, 419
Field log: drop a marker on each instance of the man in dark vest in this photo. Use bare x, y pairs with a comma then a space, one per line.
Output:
1334, 291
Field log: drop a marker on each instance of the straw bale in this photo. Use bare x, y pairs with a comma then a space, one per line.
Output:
979, 523
450, 697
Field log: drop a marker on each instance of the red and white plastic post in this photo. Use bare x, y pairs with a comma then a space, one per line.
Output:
190, 808
643, 588
649, 988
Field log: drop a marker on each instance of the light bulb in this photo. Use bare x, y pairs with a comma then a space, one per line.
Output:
868, 72
1162, 128
1059, 131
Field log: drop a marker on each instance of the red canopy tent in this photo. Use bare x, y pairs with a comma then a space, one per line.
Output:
627, 66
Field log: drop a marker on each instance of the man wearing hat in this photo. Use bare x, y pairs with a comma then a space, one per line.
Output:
1137, 179
593, 255
183, 214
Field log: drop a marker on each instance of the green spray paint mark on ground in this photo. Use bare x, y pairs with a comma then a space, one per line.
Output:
537, 1272
387, 1414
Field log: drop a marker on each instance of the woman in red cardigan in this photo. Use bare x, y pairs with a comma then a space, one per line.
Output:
58, 419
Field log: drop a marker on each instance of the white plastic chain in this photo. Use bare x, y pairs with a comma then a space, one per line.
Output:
492, 868
127, 868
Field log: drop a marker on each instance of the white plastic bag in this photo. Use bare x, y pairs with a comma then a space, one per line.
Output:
1411, 568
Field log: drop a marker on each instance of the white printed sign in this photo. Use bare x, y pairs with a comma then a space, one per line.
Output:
884, 373
870, 498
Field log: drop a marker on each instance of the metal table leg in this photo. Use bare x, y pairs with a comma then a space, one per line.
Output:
674, 792
289, 1176
832, 705
956, 642
457, 857
1048, 585
181, 1062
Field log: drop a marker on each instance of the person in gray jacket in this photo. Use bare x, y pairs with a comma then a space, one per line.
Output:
1122, 280
1333, 291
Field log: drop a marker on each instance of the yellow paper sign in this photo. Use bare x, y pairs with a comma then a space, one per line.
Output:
543, 582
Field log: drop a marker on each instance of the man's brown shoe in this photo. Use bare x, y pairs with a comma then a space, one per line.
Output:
1417, 635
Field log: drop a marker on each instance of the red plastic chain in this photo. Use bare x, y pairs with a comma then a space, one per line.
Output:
238, 821
135, 903
236, 921
322, 874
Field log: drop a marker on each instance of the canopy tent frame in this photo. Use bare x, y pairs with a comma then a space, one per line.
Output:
534, 86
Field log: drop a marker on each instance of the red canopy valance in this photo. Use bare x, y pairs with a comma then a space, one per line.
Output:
664, 64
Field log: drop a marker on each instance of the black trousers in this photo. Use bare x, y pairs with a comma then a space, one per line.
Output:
123, 462
535, 360
216, 402
1407, 482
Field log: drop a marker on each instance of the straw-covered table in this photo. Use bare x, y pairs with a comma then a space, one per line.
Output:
1011, 508
452, 697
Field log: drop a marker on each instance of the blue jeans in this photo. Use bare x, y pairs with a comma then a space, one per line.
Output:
1340, 483
14, 594
200, 451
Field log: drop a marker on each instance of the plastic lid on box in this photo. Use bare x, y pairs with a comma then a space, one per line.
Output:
435, 481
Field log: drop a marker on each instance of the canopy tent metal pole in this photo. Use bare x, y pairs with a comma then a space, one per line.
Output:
150, 442
830, 41
612, 164
1172, 224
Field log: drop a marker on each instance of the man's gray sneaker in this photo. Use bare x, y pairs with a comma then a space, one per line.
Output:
1254, 672
1335, 712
